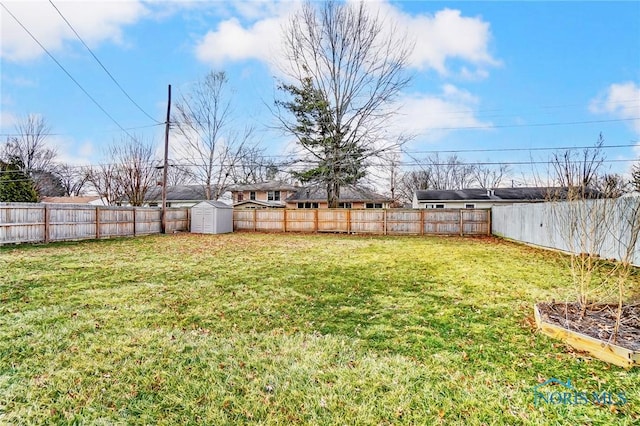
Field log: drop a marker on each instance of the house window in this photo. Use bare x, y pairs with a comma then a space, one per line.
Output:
153, 204
307, 205
439, 206
374, 205
252, 195
240, 196
469, 206
273, 195
344, 205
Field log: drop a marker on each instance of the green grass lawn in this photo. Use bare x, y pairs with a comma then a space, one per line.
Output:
282, 329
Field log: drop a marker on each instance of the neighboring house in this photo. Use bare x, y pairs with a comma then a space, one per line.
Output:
270, 194
479, 198
177, 196
93, 200
351, 197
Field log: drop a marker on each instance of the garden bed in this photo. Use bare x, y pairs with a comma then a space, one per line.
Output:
592, 330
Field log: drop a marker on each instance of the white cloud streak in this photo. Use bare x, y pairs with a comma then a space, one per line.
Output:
96, 21
439, 38
620, 100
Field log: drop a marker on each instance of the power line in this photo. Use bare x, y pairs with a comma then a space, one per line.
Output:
65, 71
98, 132
507, 126
100, 62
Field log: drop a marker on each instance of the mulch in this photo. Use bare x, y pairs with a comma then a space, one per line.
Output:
597, 321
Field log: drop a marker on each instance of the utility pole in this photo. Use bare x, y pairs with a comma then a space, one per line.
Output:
166, 164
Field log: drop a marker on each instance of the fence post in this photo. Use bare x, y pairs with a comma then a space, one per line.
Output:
47, 219
461, 224
97, 222
285, 219
349, 221
315, 220
134, 221
489, 221
384, 219
255, 220
422, 211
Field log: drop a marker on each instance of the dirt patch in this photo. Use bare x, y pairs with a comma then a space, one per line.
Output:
597, 321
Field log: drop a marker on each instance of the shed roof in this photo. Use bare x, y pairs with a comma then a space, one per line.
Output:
216, 204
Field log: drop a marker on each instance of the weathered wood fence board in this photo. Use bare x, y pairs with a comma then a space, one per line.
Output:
565, 225
366, 221
30, 223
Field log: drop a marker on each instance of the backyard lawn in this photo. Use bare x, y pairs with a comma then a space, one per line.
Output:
284, 329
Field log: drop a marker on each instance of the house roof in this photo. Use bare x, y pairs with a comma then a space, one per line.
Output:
70, 200
178, 193
497, 194
270, 185
272, 204
348, 193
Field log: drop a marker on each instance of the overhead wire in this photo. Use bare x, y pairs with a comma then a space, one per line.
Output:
101, 64
66, 72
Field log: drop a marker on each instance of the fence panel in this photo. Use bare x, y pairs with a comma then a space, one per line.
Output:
442, 222
21, 222
33, 222
404, 222
603, 227
300, 220
177, 220
333, 220
366, 221
269, 220
70, 222
244, 220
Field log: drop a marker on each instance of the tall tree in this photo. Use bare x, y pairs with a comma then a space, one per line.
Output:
29, 147
347, 71
15, 185
135, 169
211, 145
579, 171
73, 179
104, 180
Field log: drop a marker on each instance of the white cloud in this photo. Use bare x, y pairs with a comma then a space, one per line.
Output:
441, 37
438, 38
620, 100
95, 20
431, 117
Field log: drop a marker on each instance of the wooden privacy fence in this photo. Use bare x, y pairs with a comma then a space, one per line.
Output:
31, 223
366, 221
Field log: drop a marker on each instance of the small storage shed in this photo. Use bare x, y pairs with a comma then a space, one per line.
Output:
211, 217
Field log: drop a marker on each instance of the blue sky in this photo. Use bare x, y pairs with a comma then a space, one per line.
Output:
492, 76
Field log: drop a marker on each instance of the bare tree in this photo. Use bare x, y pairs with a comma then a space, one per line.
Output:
29, 147
635, 177
135, 169
582, 222
488, 176
579, 171
212, 146
73, 179
347, 71
104, 180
